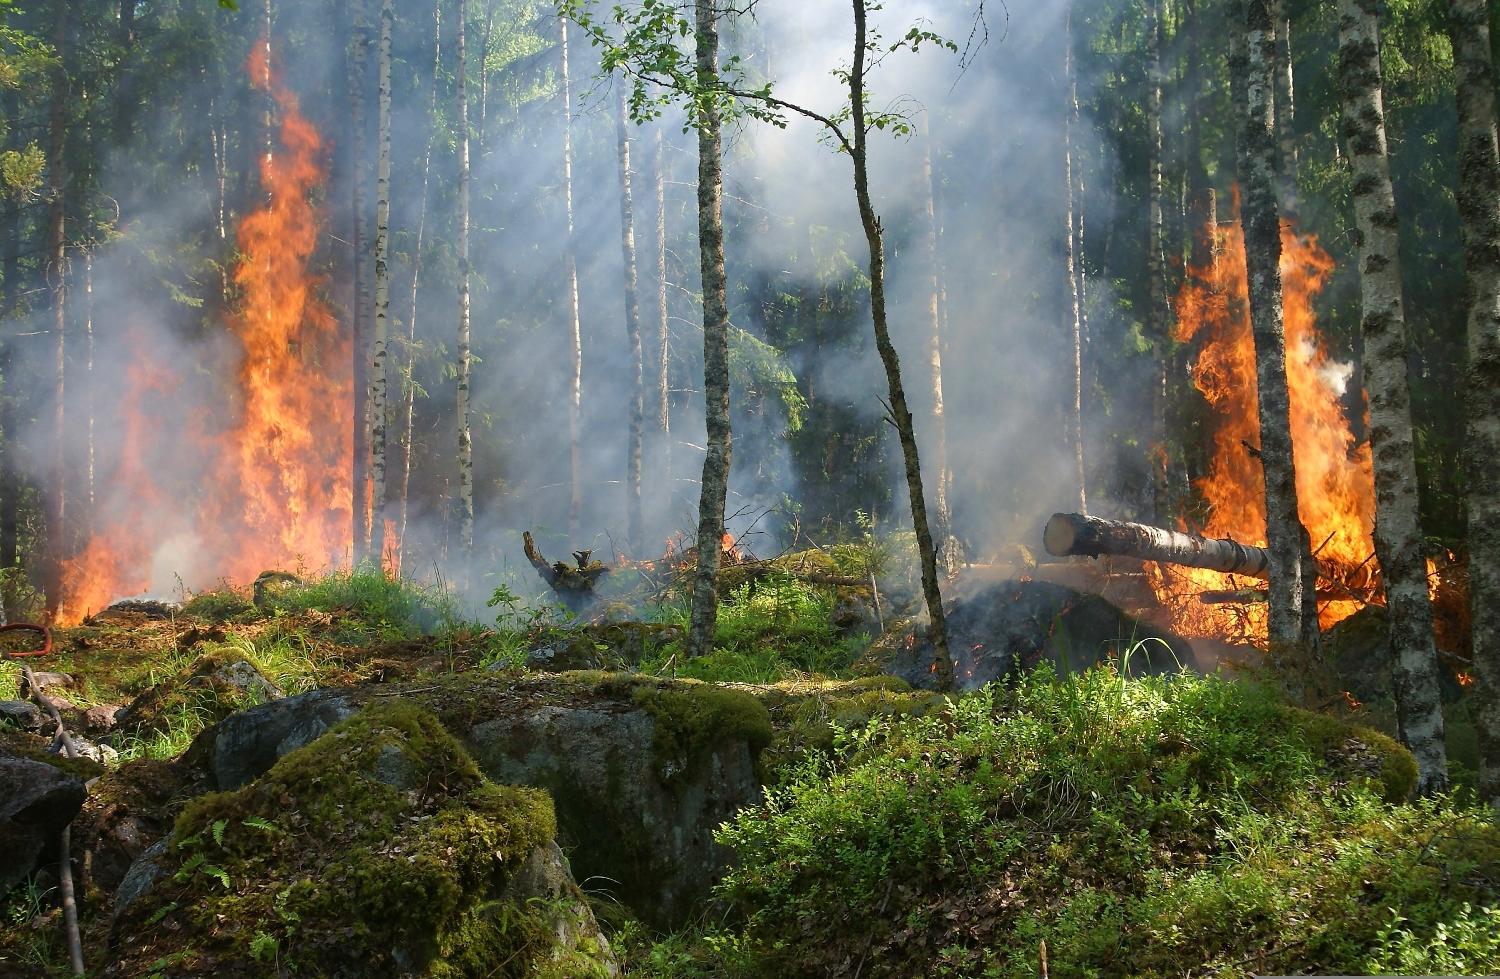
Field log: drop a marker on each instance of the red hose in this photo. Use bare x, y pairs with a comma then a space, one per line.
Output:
46, 638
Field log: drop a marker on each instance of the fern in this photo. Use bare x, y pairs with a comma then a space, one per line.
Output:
219, 825
256, 822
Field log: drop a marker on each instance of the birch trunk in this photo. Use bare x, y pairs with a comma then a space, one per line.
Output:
465, 439
575, 332
1398, 527
1479, 212
1286, 130
361, 380
636, 409
409, 381
10, 486
946, 544
1156, 310
714, 486
663, 328
1074, 312
382, 297
1256, 154
55, 258
900, 413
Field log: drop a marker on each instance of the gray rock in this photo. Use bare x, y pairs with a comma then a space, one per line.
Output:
546, 876
100, 719
639, 829
143, 872
247, 681
22, 714
37, 801
249, 742
101, 753
45, 681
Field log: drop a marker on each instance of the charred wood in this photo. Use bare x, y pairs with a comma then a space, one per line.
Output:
1076, 534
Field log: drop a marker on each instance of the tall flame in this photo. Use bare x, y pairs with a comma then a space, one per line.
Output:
1335, 486
278, 490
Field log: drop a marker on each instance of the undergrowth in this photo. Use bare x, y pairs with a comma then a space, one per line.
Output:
1141, 827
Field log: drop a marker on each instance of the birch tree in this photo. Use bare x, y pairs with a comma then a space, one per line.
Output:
409, 381
1398, 529
1156, 309
360, 299
1251, 62
570, 284
382, 297
465, 438
946, 543
56, 257
1479, 214
1286, 130
1074, 306
663, 327
636, 407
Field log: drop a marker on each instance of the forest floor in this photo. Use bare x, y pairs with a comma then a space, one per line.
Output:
1171, 825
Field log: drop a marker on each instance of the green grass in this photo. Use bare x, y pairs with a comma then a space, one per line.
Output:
1141, 827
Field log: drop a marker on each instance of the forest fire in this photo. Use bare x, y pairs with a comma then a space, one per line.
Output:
1335, 485
277, 491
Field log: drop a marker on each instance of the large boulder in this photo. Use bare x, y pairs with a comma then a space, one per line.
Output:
37, 801
997, 629
378, 850
642, 771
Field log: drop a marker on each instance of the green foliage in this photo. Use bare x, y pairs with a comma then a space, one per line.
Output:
1141, 827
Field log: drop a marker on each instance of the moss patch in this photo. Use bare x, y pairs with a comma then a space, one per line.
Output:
1354, 751
364, 853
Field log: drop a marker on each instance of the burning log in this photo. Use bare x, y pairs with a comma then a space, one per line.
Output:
574, 585
1075, 533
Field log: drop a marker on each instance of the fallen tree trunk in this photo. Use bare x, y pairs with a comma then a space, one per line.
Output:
1074, 533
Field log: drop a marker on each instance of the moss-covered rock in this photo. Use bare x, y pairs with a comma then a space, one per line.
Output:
378, 850
1353, 751
642, 772
607, 646
128, 810
215, 686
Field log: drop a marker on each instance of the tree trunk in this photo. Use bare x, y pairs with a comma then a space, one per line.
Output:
409, 381
714, 486
636, 410
10, 488
1286, 130
125, 92
382, 297
901, 415
56, 257
663, 327
1156, 309
947, 546
575, 331
1398, 527
88, 394
1073, 325
361, 501
1069, 534
465, 438
1256, 153
1479, 212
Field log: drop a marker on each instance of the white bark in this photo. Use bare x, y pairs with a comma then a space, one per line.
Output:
1479, 212
635, 422
382, 297
1398, 529
465, 439
575, 336
1074, 313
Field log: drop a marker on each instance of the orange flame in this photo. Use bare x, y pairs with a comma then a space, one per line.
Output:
1335, 486
278, 492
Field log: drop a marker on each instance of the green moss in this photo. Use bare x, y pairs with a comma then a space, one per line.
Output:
1351, 750
692, 718
371, 851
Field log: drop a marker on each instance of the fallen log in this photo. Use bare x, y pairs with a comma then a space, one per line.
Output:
574, 585
1078, 534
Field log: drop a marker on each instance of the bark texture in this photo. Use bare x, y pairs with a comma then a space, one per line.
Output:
1073, 324
361, 298
1398, 528
1286, 130
900, 413
1156, 309
378, 359
715, 483
465, 438
663, 327
1260, 216
636, 409
575, 336
409, 380
1479, 213
1069, 534
56, 258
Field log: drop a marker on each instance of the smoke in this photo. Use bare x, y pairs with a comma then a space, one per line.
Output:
166, 356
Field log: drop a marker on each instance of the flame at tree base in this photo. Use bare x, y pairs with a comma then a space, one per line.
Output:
277, 491
1335, 485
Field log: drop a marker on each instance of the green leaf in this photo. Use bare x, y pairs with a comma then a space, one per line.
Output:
219, 830
217, 874
256, 822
